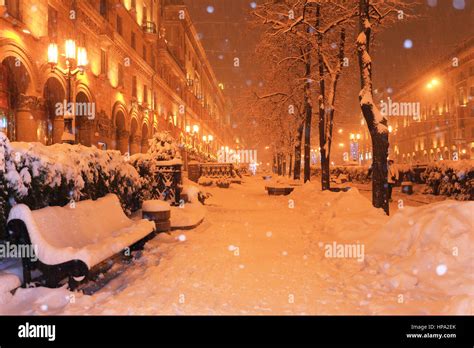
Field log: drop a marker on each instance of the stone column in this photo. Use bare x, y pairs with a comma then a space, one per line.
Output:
122, 141
58, 129
144, 145
29, 113
135, 144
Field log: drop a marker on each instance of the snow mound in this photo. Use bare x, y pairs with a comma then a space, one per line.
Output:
434, 244
155, 205
8, 282
187, 216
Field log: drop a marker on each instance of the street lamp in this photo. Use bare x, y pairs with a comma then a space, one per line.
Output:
195, 131
76, 62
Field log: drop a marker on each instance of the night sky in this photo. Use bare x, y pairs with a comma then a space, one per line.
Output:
399, 51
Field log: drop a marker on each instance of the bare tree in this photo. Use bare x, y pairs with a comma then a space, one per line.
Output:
370, 13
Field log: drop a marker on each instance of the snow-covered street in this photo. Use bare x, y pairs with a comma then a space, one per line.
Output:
260, 254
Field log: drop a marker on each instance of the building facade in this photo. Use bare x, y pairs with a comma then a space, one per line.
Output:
432, 117
108, 73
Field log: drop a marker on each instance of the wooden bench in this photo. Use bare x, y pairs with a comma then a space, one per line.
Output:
77, 241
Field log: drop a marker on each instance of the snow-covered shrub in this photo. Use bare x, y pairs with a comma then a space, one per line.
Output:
163, 147
163, 151
205, 181
360, 174
451, 178
223, 183
40, 176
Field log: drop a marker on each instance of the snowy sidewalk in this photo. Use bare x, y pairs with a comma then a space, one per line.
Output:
260, 254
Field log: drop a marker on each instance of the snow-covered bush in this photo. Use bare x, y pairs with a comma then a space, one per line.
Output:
163, 151
360, 174
163, 147
205, 181
451, 178
40, 176
223, 183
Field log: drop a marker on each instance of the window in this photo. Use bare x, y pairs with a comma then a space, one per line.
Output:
134, 86
52, 23
120, 75
145, 94
144, 52
119, 25
145, 15
133, 40
103, 62
471, 91
13, 8
103, 8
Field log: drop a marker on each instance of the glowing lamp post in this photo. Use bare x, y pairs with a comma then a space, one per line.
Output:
76, 62
195, 132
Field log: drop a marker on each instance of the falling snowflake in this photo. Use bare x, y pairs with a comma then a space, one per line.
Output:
408, 44
284, 253
441, 269
44, 307
269, 234
181, 237
210, 9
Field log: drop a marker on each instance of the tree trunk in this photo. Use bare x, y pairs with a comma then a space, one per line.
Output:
376, 123
307, 120
299, 141
290, 166
323, 138
279, 164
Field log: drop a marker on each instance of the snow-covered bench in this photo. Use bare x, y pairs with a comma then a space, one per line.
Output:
76, 240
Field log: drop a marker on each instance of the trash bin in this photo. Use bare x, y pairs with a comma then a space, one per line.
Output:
158, 212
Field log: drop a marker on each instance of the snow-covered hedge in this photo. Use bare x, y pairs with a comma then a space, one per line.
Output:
357, 174
451, 178
40, 175
163, 147
163, 151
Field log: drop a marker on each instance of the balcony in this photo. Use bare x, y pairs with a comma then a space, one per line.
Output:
106, 34
150, 31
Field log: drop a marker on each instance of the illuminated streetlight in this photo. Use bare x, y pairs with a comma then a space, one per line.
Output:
53, 54
433, 83
76, 62
339, 130
70, 49
195, 128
